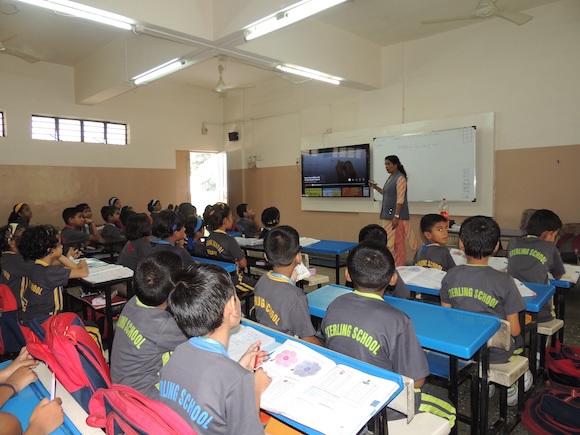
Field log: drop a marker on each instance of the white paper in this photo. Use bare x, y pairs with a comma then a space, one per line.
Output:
305, 241
108, 273
458, 256
243, 241
524, 290
498, 263
243, 337
421, 276
572, 273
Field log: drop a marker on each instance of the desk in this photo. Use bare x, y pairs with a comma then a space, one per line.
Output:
110, 244
337, 358
228, 267
23, 404
459, 334
329, 247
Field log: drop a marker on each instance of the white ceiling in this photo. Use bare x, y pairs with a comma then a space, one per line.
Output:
67, 41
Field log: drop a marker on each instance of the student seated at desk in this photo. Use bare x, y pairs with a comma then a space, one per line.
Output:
433, 252
374, 232
212, 392
362, 325
138, 234
170, 231
21, 215
87, 214
247, 221
72, 235
136, 360
278, 303
194, 230
531, 257
270, 219
42, 296
46, 417
111, 216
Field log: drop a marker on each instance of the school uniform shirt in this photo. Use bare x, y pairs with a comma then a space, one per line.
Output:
248, 227
14, 272
164, 245
42, 295
280, 305
365, 327
72, 238
143, 343
434, 257
224, 247
110, 231
133, 252
210, 391
530, 259
197, 249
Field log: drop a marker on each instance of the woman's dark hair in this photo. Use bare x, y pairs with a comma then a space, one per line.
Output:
271, 217
193, 224
152, 204
81, 207
8, 233
187, 209
38, 241
153, 277
14, 215
395, 161
126, 213
214, 216
138, 226
166, 222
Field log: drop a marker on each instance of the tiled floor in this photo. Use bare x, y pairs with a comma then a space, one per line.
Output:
571, 337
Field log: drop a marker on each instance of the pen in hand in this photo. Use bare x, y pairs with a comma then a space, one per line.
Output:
256, 360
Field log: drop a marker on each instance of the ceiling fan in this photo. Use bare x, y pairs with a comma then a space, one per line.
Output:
487, 9
220, 86
7, 49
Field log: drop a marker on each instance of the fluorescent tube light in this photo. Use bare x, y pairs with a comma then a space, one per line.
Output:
83, 11
305, 72
160, 71
287, 16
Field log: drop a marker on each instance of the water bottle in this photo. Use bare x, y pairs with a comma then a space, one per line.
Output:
444, 209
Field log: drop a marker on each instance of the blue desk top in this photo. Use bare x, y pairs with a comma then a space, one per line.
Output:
458, 333
229, 267
332, 247
543, 291
561, 284
23, 405
234, 233
338, 358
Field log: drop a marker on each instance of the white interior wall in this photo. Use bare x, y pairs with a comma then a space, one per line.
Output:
161, 119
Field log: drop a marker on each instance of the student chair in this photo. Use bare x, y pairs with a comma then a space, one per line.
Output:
547, 330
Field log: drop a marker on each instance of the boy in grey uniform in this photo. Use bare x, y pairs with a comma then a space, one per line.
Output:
433, 252
362, 325
278, 303
213, 393
530, 258
146, 332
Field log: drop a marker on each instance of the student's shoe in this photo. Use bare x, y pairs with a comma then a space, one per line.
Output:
528, 380
512, 394
491, 390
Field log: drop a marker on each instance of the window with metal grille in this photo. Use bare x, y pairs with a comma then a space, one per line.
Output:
78, 130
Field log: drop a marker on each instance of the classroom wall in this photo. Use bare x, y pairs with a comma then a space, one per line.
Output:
526, 75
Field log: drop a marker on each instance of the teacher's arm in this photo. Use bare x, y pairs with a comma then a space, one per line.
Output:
375, 186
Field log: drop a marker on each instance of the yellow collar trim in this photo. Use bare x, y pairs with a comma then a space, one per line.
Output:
369, 295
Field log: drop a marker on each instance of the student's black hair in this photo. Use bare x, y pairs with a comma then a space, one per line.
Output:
154, 277
373, 232
69, 213
81, 207
106, 211
199, 299
113, 200
37, 241
480, 235
281, 245
543, 220
14, 214
170, 207
166, 222
191, 223
395, 161
370, 266
151, 205
126, 213
429, 220
187, 209
270, 217
215, 215
9, 233
241, 209
138, 226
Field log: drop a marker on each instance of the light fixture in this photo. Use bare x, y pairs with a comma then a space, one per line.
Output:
287, 16
160, 71
305, 72
221, 85
86, 12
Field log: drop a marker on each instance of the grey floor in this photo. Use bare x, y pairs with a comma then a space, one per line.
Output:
571, 337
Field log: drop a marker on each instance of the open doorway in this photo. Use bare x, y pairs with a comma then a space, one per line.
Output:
208, 182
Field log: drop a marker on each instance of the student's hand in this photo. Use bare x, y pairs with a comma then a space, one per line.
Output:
22, 377
261, 381
248, 359
180, 243
46, 417
24, 359
73, 253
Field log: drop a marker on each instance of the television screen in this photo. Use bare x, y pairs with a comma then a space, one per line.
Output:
340, 172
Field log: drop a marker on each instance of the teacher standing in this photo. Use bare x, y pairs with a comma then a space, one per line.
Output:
395, 210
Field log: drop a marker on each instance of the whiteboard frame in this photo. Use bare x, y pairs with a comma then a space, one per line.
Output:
485, 165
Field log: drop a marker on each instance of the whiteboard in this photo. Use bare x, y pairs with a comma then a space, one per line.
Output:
439, 164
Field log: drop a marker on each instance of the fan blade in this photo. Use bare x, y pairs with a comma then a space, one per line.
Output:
446, 20
518, 18
6, 49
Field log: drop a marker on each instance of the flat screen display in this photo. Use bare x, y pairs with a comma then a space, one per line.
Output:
340, 172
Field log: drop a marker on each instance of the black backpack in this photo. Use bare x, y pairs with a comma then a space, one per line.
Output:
552, 412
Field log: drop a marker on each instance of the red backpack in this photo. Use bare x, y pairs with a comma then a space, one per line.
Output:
71, 353
124, 410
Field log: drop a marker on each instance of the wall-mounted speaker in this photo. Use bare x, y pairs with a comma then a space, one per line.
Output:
234, 136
